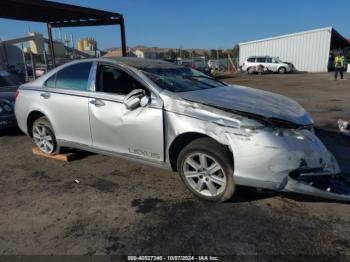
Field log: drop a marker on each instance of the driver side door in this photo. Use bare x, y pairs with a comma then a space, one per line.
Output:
136, 132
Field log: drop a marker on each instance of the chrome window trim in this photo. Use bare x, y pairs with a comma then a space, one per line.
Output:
92, 77
156, 101
57, 71
59, 91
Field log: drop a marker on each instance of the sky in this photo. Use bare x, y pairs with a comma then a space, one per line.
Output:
199, 23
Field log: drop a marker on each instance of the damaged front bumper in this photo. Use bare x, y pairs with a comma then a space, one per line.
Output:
299, 164
336, 187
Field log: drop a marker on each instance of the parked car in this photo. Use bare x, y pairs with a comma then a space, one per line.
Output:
266, 63
217, 136
8, 87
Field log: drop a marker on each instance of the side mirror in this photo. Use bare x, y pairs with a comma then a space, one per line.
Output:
132, 103
145, 101
135, 99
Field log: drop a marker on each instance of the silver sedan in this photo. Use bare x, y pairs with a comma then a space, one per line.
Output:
215, 135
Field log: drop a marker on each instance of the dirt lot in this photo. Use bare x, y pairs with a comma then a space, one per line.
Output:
124, 208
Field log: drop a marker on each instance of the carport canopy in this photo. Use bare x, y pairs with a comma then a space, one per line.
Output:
61, 15
338, 41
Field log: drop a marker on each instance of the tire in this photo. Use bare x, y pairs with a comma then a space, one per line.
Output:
260, 69
251, 70
282, 70
216, 185
44, 136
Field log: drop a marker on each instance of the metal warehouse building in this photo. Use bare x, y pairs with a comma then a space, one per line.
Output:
310, 51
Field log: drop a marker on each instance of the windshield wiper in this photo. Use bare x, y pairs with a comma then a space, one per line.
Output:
208, 77
205, 77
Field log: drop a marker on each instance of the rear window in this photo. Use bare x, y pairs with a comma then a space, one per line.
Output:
251, 59
74, 77
8, 80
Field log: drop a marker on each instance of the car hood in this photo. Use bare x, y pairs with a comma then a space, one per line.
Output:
251, 101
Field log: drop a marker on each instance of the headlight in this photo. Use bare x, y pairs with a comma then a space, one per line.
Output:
291, 133
251, 129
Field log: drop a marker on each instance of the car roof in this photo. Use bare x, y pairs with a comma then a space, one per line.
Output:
143, 63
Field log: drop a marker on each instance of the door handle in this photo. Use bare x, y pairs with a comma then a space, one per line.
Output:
45, 95
97, 102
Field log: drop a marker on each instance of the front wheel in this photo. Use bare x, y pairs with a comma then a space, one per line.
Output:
206, 169
44, 137
282, 70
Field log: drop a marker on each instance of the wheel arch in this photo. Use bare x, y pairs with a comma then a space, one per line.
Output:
32, 116
282, 66
183, 140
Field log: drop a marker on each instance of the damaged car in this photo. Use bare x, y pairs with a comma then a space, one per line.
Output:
8, 87
216, 136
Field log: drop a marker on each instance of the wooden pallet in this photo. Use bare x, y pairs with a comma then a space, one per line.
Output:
67, 157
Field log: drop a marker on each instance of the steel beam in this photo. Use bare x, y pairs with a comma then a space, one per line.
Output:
52, 49
122, 36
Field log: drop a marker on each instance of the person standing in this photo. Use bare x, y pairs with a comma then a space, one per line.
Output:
339, 66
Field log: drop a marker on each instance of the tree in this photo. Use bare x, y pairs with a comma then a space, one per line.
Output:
185, 54
235, 52
212, 53
170, 54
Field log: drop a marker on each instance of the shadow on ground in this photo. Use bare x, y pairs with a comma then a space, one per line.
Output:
13, 131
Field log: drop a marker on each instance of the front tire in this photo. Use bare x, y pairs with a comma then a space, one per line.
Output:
44, 137
282, 70
206, 169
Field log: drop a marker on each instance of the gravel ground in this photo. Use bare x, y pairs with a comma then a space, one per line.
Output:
120, 207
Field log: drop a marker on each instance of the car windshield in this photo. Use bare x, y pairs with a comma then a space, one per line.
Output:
277, 60
181, 79
8, 80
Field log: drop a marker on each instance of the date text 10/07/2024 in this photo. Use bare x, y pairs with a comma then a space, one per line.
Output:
172, 258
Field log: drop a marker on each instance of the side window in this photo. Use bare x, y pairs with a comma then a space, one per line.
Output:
269, 60
74, 77
115, 81
251, 59
51, 82
261, 59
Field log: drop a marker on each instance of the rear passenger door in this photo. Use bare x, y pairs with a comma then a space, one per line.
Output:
270, 65
261, 61
65, 101
131, 132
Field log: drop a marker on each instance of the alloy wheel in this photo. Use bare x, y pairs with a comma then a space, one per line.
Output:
43, 138
204, 174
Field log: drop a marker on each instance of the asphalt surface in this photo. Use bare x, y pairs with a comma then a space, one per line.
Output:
120, 207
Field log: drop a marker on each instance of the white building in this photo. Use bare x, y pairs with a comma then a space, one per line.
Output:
145, 54
309, 51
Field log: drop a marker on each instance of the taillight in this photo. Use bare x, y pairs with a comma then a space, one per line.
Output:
17, 94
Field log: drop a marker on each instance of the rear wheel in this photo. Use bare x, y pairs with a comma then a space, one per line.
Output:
206, 168
44, 137
251, 70
260, 69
